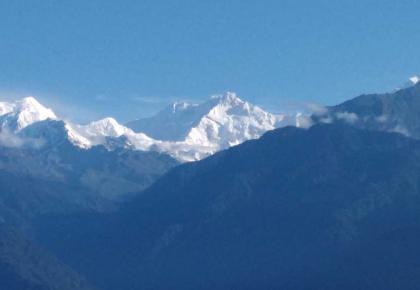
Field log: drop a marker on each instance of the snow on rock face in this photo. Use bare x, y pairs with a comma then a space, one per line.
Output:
172, 123
230, 122
96, 132
108, 130
414, 80
30, 111
106, 127
76, 138
5, 108
17, 115
20, 114
195, 130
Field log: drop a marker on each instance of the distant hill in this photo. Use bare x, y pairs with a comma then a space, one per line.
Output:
62, 178
397, 111
330, 207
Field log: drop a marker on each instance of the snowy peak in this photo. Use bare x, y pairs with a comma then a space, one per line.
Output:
30, 103
228, 99
5, 108
183, 130
229, 122
231, 105
193, 131
411, 82
414, 80
29, 111
107, 127
20, 114
96, 132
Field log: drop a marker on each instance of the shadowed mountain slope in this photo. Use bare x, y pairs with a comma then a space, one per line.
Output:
397, 111
325, 208
25, 267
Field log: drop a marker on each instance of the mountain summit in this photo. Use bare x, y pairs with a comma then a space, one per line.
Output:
230, 121
414, 80
197, 130
20, 114
223, 119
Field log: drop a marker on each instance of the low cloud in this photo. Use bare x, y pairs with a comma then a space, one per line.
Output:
350, 118
401, 130
382, 118
315, 109
12, 140
8, 139
303, 121
326, 120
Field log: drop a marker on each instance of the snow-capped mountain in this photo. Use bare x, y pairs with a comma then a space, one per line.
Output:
5, 108
174, 122
222, 119
185, 131
193, 131
232, 121
96, 132
414, 80
20, 114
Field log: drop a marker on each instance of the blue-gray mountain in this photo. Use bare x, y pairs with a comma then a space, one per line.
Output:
24, 266
331, 207
59, 177
42, 172
393, 112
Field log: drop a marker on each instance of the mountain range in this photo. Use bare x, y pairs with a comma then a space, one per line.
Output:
44, 170
50, 165
331, 207
219, 123
330, 202
187, 132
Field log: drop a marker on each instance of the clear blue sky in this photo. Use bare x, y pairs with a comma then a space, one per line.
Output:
129, 58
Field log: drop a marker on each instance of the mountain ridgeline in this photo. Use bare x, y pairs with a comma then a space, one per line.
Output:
335, 205
330, 207
59, 177
392, 112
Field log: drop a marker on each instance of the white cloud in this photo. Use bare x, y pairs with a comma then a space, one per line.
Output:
8, 139
401, 130
382, 119
326, 120
303, 121
350, 118
12, 140
315, 109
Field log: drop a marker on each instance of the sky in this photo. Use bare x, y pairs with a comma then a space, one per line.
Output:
128, 59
